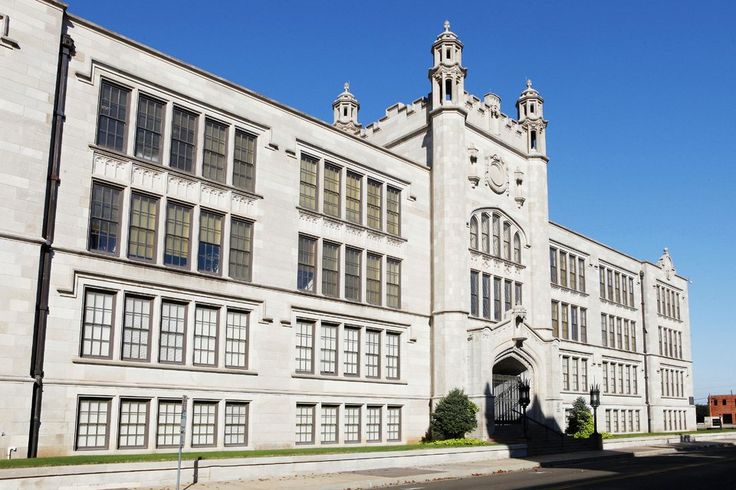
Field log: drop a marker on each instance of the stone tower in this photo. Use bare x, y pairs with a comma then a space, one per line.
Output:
345, 111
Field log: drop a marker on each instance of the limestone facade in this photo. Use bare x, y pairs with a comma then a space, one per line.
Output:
301, 283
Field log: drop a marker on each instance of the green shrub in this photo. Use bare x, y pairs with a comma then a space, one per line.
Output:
469, 441
580, 421
606, 435
453, 417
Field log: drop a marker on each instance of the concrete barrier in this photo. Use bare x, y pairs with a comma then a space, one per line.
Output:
132, 475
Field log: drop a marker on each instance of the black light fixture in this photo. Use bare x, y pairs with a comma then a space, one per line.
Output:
524, 399
595, 402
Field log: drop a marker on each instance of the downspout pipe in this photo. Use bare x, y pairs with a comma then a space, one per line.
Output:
646, 354
66, 51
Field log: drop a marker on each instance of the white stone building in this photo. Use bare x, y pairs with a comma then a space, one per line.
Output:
301, 283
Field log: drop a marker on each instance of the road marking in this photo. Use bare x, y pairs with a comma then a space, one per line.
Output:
644, 473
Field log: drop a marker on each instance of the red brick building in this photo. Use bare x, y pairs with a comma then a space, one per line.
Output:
723, 406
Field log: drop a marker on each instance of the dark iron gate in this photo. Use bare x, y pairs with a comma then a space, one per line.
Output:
506, 408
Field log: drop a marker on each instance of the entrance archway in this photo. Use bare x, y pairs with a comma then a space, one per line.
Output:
506, 375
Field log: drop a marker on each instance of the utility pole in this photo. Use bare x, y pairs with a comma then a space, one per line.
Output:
182, 430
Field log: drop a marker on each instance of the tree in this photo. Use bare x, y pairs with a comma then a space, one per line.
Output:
580, 421
453, 416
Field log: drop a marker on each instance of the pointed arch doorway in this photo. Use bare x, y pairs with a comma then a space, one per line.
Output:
507, 373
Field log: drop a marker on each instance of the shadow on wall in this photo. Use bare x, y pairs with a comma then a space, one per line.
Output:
497, 422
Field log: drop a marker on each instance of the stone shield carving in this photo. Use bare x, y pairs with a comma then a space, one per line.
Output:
497, 177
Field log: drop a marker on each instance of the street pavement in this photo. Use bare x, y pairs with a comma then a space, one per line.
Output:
688, 466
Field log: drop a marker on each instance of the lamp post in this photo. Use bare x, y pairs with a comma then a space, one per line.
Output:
524, 399
595, 402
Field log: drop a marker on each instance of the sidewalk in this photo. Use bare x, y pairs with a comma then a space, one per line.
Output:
397, 476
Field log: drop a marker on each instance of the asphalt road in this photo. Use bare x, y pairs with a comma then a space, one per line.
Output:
691, 468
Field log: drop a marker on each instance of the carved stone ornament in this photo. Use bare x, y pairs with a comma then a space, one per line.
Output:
497, 177
665, 263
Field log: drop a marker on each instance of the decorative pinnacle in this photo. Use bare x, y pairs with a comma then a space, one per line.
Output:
528, 83
347, 87
447, 26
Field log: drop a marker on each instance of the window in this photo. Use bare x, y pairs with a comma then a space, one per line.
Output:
308, 182
372, 353
204, 423
555, 319
553, 265
631, 292
169, 421
486, 296
485, 232
143, 221
373, 424
93, 423
353, 197
205, 336
393, 283
566, 373
328, 349
583, 374
496, 235
329, 424
373, 279
393, 210
173, 330
474, 293
517, 248
617, 283
610, 284
573, 272
305, 424
306, 269
565, 324
352, 273
474, 233
149, 129
183, 139
98, 324
210, 242
304, 346
351, 351
136, 328
241, 247
575, 379
104, 220
393, 423
574, 323
624, 292
352, 423
178, 233
581, 275
112, 116
604, 331
236, 339
563, 269
214, 158
331, 194
331, 269
497, 298
392, 355
619, 343
506, 241
244, 161
236, 424
583, 325
602, 281
507, 295
133, 425
375, 191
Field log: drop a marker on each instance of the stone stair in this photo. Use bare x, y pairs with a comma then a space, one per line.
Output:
541, 439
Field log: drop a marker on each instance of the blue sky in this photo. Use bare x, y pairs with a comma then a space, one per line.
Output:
640, 98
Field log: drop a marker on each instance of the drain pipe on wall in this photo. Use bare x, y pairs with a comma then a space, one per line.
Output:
66, 51
646, 367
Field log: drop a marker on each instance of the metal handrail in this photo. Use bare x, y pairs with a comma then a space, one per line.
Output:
546, 427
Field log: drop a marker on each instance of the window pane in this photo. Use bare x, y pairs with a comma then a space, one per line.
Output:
173, 324
236, 424
304, 346
241, 246
169, 420
104, 223
392, 355
330, 269
204, 423
149, 128
305, 424
372, 353
244, 161
236, 339
393, 283
205, 336
373, 279
133, 423
331, 204
352, 274
351, 347
353, 197
214, 157
97, 327
143, 223
136, 328
329, 424
352, 423
112, 116
375, 190
93, 417
373, 424
307, 264
308, 182
328, 349
183, 139
210, 242
178, 233
393, 423
393, 210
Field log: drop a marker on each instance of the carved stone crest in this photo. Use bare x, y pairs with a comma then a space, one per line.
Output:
496, 176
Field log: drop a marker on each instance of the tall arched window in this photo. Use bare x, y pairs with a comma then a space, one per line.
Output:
506, 240
517, 248
496, 235
474, 233
484, 232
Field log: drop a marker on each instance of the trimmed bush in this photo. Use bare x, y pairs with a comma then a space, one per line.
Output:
468, 441
453, 417
580, 422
